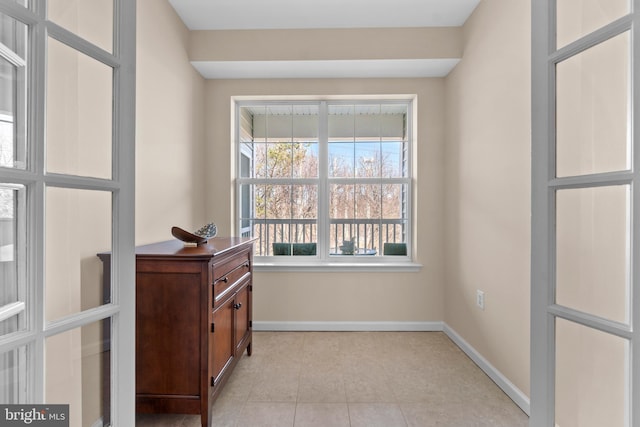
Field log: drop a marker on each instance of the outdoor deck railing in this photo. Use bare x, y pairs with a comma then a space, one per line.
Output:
369, 235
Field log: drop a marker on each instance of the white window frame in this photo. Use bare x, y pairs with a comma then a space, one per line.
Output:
323, 261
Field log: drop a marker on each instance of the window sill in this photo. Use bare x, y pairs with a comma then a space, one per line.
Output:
327, 267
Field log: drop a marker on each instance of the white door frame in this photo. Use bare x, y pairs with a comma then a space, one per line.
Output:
121, 309
544, 310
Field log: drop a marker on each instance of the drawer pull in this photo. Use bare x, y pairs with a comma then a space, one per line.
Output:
237, 306
225, 279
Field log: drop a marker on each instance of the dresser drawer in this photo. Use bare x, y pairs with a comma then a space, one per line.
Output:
227, 273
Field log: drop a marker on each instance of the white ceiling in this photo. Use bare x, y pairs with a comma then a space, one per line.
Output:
287, 14
302, 14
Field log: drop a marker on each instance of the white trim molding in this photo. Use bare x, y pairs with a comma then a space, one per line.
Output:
348, 326
514, 393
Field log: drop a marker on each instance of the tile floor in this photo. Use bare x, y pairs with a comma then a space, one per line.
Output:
369, 379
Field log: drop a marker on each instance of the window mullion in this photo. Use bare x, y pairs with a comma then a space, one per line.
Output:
323, 185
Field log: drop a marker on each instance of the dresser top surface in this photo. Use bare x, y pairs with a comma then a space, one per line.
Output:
176, 248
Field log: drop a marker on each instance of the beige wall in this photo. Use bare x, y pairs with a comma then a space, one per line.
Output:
170, 161
346, 296
325, 44
487, 187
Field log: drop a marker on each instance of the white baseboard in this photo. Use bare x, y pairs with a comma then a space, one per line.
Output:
348, 326
98, 423
503, 382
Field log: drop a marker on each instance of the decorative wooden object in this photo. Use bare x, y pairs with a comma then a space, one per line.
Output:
199, 237
193, 322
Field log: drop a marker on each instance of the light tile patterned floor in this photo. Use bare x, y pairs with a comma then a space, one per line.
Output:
368, 379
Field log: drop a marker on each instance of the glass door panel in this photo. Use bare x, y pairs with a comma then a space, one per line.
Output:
66, 106
592, 251
91, 20
13, 92
592, 374
78, 226
78, 373
584, 213
576, 18
13, 378
79, 113
592, 109
12, 259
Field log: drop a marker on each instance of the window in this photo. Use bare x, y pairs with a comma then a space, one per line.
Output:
325, 181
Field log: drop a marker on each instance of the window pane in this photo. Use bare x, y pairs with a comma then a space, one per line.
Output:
342, 159
342, 149
368, 201
393, 159
253, 123
279, 160
394, 201
79, 113
12, 259
305, 160
246, 161
285, 160
279, 141
78, 226
593, 252
260, 161
13, 93
592, 371
13, 375
577, 18
367, 140
78, 372
278, 201
279, 213
304, 202
89, 19
341, 122
367, 122
305, 121
394, 122
368, 159
342, 202
593, 109
246, 209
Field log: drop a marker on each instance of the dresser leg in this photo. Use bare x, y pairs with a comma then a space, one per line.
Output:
249, 349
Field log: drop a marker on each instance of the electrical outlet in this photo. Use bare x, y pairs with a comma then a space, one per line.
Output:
480, 299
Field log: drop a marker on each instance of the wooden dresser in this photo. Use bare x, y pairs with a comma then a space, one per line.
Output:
193, 322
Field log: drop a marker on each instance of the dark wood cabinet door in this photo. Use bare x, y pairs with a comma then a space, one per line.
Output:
242, 306
221, 344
